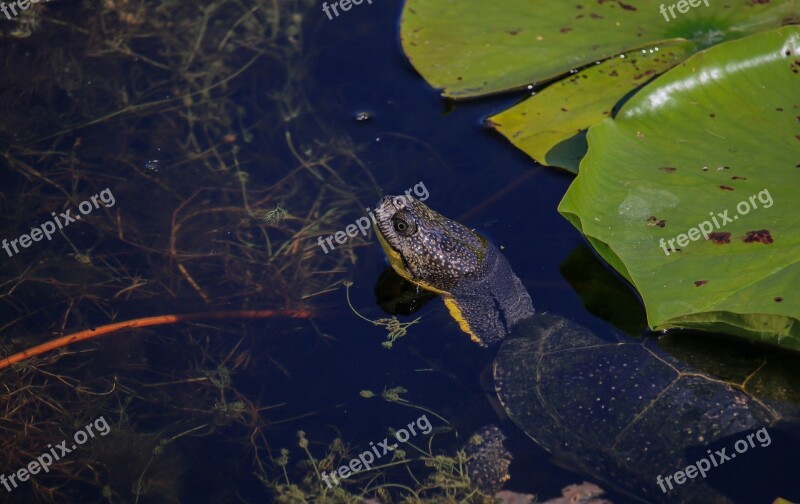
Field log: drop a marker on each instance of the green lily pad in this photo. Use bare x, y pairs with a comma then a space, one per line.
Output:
717, 135
571, 105
473, 47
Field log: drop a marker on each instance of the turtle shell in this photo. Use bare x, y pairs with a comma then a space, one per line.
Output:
621, 409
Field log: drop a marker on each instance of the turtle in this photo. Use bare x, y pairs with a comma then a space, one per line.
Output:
618, 408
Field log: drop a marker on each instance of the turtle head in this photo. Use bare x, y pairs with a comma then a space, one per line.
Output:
426, 248
440, 255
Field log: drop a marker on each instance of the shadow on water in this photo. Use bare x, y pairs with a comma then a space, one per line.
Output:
233, 136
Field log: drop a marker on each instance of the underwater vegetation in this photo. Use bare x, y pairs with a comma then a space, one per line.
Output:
196, 117
199, 306
208, 221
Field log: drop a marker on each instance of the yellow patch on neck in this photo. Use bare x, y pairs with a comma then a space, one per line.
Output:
458, 316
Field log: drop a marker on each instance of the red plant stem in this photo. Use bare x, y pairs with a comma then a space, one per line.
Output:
145, 322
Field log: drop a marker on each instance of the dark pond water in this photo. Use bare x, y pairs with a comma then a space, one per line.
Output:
226, 166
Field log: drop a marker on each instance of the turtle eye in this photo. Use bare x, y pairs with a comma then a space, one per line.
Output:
403, 227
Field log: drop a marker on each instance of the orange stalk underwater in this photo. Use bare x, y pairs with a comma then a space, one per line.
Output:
145, 322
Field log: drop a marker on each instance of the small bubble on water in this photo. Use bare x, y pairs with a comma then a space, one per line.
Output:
151, 166
363, 116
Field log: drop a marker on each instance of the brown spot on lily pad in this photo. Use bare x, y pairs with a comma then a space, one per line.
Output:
668, 169
645, 74
565, 30
654, 221
736, 177
778, 299
719, 237
698, 283
760, 236
726, 188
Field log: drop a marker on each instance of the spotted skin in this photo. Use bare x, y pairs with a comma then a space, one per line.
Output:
488, 459
481, 292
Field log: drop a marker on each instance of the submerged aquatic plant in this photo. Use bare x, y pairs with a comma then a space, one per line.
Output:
418, 475
195, 115
396, 328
